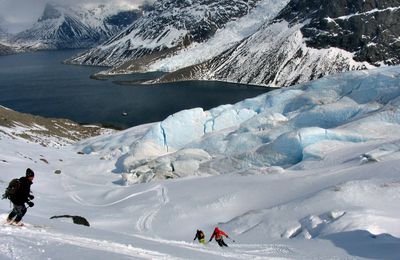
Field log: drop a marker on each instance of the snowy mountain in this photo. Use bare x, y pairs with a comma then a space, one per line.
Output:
66, 27
308, 40
307, 172
168, 27
5, 47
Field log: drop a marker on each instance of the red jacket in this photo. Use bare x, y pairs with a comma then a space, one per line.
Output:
218, 233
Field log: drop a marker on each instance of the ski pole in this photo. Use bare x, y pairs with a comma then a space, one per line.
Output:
231, 239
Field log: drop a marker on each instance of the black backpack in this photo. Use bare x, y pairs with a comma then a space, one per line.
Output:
12, 189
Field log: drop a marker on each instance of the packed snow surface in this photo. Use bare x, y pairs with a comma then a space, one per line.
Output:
308, 172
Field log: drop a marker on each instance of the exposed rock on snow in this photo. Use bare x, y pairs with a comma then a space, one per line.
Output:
76, 219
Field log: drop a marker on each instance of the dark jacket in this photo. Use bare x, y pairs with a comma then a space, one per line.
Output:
23, 193
199, 235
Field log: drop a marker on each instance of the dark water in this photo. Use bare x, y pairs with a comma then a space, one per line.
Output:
38, 83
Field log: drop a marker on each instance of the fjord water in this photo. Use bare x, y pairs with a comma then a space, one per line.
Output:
38, 83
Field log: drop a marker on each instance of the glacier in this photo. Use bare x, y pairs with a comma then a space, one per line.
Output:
278, 129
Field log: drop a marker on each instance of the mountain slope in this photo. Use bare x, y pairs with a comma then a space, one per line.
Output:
65, 27
6, 50
224, 38
169, 26
307, 40
44, 131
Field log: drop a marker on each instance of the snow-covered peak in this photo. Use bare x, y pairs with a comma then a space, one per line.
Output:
167, 27
62, 26
50, 12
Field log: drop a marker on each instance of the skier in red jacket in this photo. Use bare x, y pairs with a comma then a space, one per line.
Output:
218, 233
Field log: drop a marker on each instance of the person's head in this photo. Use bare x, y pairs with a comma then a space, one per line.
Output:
216, 229
29, 174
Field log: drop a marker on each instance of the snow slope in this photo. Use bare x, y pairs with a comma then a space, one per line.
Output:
75, 26
166, 28
309, 172
224, 38
307, 40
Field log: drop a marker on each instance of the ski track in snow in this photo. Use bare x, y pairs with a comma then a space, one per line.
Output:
145, 221
234, 251
89, 243
43, 236
144, 225
161, 193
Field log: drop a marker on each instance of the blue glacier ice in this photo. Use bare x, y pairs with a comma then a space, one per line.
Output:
275, 129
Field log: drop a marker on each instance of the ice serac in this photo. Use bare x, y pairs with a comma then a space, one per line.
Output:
276, 130
165, 28
62, 27
308, 40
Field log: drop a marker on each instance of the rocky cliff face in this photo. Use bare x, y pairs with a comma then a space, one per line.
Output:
369, 29
168, 26
62, 27
307, 40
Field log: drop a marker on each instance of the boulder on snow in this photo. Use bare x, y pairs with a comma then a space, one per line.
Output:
76, 219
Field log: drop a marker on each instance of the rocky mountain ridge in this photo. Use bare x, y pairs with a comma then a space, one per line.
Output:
167, 27
308, 40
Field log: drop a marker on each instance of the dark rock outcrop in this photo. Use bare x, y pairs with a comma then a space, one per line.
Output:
76, 219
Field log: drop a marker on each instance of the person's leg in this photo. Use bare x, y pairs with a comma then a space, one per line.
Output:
12, 214
223, 243
220, 242
21, 210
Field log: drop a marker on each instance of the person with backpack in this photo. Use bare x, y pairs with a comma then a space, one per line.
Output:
19, 194
200, 236
218, 234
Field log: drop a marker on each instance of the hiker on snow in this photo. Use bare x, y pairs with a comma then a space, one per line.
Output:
200, 236
22, 195
218, 233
